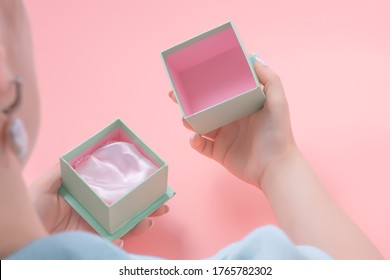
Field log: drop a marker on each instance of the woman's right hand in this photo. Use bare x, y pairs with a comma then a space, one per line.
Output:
249, 146
260, 149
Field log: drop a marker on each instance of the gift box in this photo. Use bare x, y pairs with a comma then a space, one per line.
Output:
213, 80
112, 220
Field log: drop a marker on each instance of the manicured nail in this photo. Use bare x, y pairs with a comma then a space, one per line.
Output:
256, 57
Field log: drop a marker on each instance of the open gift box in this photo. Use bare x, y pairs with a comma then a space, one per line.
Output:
112, 220
213, 80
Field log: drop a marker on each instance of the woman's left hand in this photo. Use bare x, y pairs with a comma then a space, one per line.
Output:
58, 216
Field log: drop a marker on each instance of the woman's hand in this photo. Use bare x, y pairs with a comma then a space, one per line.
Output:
58, 216
260, 149
247, 147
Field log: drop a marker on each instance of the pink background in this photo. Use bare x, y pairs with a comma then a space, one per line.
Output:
99, 60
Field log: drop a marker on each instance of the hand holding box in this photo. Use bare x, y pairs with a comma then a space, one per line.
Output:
112, 219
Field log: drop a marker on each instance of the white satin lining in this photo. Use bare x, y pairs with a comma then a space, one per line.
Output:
115, 169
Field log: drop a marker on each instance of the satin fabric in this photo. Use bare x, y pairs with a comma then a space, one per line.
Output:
115, 169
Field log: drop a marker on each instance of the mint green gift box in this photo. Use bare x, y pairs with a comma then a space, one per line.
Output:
115, 220
213, 79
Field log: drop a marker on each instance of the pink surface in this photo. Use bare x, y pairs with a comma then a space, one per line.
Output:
210, 71
98, 60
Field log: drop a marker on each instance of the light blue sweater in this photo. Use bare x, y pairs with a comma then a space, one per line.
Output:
267, 242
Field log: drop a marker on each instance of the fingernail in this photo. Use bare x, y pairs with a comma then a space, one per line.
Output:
195, 140
151, 223
256, 57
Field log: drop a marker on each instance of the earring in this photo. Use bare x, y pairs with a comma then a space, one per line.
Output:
18, 138
17, 135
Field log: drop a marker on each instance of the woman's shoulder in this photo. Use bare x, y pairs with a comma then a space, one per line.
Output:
269, 243
72, 245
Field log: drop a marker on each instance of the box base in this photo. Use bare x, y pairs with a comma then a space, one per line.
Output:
127, 226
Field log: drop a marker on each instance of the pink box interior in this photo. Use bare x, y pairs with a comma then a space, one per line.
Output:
210, 71
117, 136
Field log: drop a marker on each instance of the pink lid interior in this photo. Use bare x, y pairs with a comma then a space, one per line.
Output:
210, 71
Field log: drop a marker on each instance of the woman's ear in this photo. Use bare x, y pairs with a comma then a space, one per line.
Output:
12, 130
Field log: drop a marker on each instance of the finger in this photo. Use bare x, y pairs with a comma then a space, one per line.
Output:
118, 242
202, 145
210, 135
145, 224
172, 96
266, 76
50, 181
163, 209
270, 80
187, 125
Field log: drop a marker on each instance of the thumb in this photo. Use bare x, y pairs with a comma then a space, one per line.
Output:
49, 182
119, 242
273, 87
202, 145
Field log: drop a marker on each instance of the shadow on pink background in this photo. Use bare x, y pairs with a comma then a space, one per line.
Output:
99, 60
